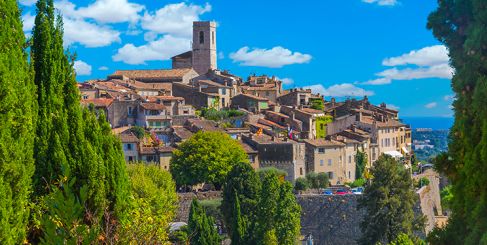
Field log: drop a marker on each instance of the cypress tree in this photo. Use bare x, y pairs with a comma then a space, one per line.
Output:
239, 225
288, 216
17, 119
201, 227
72, 141
461, 26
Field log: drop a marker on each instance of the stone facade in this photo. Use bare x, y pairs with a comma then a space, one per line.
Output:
204, 46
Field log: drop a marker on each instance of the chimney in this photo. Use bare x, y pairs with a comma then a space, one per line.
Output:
333, 101
199, 88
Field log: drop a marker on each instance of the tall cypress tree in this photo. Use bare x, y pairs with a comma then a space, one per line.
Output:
461, 26
201, 227
17, 118
72, 141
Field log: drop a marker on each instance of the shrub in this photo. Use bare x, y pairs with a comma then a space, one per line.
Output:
317, 180
301, 184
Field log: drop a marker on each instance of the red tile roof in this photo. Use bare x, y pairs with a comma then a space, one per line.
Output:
152, 106
160, 73
98, 102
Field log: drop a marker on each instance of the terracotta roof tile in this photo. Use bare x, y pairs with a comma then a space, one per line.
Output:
324, 142
160, 73
98, 102
152, 106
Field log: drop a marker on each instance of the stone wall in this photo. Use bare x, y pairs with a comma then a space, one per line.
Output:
334, 219
186, 198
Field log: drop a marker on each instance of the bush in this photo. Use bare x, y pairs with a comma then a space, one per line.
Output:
358, 183
138, 131
301, 184
317, 180
423, 181
278, 172
216, 115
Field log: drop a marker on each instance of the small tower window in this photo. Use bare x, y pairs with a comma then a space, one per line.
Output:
213, 37
202, 37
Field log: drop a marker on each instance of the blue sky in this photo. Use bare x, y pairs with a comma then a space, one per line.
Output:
380, 48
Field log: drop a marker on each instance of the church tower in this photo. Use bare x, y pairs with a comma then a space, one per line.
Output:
204, 46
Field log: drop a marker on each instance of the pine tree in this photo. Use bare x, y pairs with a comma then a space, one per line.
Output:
267, 206
460, 25
17, 119
239, 224
388, 201
201, 227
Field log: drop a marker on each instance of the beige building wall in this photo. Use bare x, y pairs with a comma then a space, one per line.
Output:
164, 159
349, 162
328, 159
387, 139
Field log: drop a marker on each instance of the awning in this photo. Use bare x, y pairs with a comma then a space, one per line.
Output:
393, 153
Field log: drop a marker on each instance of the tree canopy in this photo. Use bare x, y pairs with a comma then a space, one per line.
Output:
388, 201
206, 157
17, 120
460, 26
201, 227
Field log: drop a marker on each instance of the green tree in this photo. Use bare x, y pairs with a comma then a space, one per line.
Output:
317, 104
239, 224
243, 183
206, 157
361, 163
388, 201
70, 139
402, 239
154, 206
301, 184
288, 216
201, 227
267, 205
317, 180
17, 119
460, 26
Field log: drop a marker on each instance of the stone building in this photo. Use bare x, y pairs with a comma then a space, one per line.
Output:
295, 97
326, 156
182, 75
287, 155
203, 56
130, 145
250, 103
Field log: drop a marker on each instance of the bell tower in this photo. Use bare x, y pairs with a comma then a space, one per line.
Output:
204, 46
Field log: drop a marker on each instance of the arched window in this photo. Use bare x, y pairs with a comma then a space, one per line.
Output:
202, 37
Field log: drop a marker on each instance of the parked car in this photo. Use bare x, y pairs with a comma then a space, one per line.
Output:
358, 191
341, 192
327, 192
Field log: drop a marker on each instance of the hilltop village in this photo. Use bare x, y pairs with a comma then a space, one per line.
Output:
293, 130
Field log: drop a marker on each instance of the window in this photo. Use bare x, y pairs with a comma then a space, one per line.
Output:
202, 37
267, 93
186, 112
322, 163
300, 171
223, 101
224, 91
131, 158
213, 37
321, 150
85, 96
349, 174
130, 111
129, 147
349, 159
329, 162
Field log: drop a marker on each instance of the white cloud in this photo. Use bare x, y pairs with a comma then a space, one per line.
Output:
340, 90
82, 68
274, 58
88, 34
111, 11
382, 2
391, 106
378, 81
428, 62
175, 19
103, 68
160, 49
428, 56
27, 2
437, 71
431, 105
28, 22
448, 97
286, 81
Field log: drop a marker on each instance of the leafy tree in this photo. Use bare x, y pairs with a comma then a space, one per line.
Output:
317, 104
460, 25
301, 184
402, 239
317, 180
388, 201
239, 224
361, 163
138, 131
243, 183
17, 119
155, 204
201, 227
206, 157
288, 216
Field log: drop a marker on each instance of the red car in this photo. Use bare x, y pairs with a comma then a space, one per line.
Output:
341, 192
